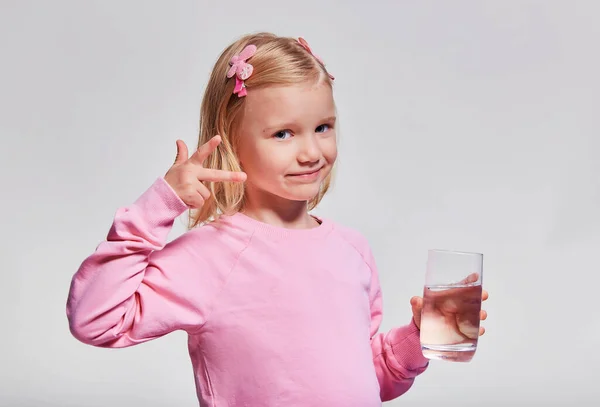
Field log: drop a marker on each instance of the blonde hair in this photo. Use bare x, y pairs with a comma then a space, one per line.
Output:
277, 61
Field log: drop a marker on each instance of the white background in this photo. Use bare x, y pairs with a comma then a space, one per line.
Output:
468, 125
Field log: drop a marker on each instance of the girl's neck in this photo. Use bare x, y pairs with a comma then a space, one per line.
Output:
286, 214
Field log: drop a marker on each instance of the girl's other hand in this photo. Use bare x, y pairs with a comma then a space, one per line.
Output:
186, 176
417, 308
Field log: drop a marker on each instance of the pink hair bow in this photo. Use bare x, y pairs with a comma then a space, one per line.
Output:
305, 45
241, 69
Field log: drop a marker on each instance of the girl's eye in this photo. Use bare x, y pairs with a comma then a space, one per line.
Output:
322, 128
281, 135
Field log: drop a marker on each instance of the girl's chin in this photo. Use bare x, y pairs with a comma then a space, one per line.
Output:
306, 193
296, 193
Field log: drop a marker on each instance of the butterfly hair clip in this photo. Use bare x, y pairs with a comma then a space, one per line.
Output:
241, 69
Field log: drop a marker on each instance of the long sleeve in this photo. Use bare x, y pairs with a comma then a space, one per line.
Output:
135, 287
397, 354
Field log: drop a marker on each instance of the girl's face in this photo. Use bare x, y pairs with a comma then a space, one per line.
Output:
287, 142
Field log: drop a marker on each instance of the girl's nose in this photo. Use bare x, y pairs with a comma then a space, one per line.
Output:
309, 150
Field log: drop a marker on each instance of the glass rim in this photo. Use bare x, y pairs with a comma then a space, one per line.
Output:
446, 251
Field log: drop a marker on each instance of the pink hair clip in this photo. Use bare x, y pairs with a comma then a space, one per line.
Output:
241, 69
305, 45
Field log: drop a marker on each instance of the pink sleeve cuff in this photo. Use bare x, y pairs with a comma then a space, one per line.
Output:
160, 203
406, 347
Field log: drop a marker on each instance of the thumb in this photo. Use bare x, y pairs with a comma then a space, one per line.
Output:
471, 278
182, 152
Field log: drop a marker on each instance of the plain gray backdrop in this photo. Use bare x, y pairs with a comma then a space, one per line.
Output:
467, 125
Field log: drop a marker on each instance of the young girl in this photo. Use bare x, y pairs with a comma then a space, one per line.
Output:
281, 307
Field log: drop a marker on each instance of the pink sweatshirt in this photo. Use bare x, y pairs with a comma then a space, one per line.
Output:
275, 316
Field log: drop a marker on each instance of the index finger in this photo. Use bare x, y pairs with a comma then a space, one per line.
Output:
213, 175
205, 150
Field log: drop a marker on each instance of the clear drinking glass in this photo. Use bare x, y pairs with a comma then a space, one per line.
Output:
451, 305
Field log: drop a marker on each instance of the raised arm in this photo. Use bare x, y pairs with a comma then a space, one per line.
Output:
134, 287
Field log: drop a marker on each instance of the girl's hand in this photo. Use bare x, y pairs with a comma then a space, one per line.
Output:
186, 176
446, 307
